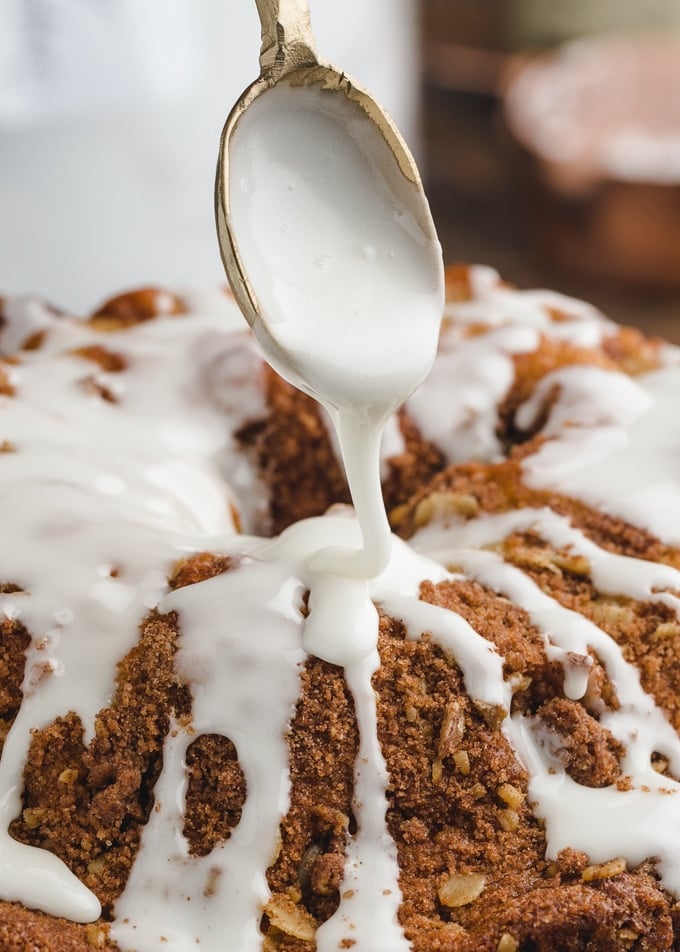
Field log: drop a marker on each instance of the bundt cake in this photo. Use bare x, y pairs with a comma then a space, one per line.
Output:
180, 771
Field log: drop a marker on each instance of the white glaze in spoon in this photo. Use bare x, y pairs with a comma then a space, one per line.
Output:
332, 254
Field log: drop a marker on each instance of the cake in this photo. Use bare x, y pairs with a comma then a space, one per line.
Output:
178, 772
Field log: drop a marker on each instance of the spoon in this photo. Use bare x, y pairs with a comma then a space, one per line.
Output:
330, 250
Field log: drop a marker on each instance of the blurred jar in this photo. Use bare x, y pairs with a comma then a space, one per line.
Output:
110, 117
598, 134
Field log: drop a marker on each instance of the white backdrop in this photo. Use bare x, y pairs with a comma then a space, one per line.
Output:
110, 116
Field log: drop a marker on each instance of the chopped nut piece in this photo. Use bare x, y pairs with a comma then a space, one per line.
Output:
411, 713
96, 935
510, 795
530, 557
607, 611
519, 682
452, 729
437, 771
306, 865
70, 775
96, 866
507, 943
667, 629
461, 759
33, 817
508, 819
477, 791
493, 714
460, 889
293, 920
604, 870
574, 564
107, 359
294, 894
439, 505
132, 308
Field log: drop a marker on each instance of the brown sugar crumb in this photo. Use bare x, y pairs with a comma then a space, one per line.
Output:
198, 568
589, 752
23, 930
14, 641
327, 874
133, 307
294, 454
323, 743
585, 916
93, 822
107, 360
216, 792
435, 824
6, 387
412, 468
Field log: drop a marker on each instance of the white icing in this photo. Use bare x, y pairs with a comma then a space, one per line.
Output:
473, 372
624, 458
483, 371
495, 304
98, 500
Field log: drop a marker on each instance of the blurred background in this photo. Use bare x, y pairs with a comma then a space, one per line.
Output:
552, 143
548, 135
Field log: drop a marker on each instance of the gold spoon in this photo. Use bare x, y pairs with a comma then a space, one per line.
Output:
288, 57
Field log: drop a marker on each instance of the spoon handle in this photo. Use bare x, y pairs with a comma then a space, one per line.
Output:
287, 39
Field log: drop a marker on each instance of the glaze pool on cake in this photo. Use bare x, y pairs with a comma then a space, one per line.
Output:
498, 773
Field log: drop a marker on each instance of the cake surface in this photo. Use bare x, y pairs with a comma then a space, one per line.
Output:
504, 779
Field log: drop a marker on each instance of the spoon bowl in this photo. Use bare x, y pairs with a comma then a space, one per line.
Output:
321, 210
